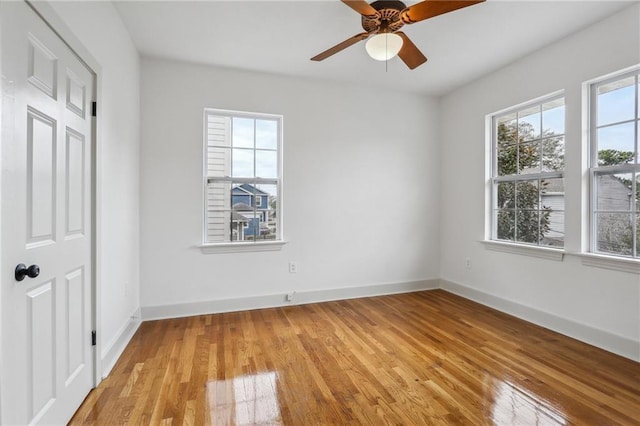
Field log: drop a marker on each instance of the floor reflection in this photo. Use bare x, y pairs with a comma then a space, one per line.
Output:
515, 405
245, 400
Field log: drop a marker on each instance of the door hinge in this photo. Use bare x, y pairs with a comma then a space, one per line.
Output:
93, 338
94, 109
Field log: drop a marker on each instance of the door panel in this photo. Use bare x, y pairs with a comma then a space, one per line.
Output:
42, 67
47, 357
75, 183
41, 351
74, 292
41, 177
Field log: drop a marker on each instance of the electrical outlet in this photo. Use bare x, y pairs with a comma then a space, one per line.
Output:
290, 296
293, 267
468, 263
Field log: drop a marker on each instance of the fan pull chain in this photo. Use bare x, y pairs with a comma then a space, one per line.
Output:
386, 53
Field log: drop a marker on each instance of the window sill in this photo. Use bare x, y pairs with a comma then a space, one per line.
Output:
242, 247
614, 263
525, 250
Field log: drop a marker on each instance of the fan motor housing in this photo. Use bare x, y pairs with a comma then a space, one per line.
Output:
389, 19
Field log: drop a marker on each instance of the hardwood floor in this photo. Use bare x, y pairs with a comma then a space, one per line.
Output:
420, 358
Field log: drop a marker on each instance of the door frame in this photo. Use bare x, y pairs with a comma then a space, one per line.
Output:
53, 20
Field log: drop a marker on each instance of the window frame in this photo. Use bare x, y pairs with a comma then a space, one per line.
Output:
594, 170
248, 245
491, 237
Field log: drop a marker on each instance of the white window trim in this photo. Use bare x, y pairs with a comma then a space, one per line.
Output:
544, 252
593, 257
614, 263
244, 246
541, 252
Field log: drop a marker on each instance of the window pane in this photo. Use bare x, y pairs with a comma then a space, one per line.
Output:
527, 226
552, 227
529, 124
616, 101
242, 132
242, 197
507, 129
267, 134
552, 212
637, 235
266, 164
553, 118
614, 192
245, 219
614, 233
507, 159
553, 154
616, 144
529, 158
638, 193
242, 163
269, 221
506, 228
506, 196
527, 195
552, 193
637, 158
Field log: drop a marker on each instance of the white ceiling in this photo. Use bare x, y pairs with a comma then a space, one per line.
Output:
280, 37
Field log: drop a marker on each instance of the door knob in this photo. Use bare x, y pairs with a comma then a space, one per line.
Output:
22, 271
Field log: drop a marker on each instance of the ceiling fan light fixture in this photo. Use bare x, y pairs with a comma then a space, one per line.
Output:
384, 46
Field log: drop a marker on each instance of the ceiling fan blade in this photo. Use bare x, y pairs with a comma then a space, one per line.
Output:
430, 8
362, 7
340, 46
409, 53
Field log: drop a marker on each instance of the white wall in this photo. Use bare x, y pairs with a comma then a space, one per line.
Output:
99, 28
596, 305
361, 184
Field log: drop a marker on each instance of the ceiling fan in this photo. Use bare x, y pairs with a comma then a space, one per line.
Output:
383, 20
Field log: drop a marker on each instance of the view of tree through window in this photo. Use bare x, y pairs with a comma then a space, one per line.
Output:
615, 168
242, 176
528, 174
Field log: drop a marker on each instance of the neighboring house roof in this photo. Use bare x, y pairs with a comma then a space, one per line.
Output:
242, 207
249, 189
237, 217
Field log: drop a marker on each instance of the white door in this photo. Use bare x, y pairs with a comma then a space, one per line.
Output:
46, 157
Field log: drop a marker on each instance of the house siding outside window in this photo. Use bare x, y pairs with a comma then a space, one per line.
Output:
614, 119
527, 172
242, 177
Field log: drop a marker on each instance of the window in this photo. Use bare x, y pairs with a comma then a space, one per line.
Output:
242, 177
615, 165
528, 174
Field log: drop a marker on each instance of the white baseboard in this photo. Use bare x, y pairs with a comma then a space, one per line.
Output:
619, 345
276, 300
112, 351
